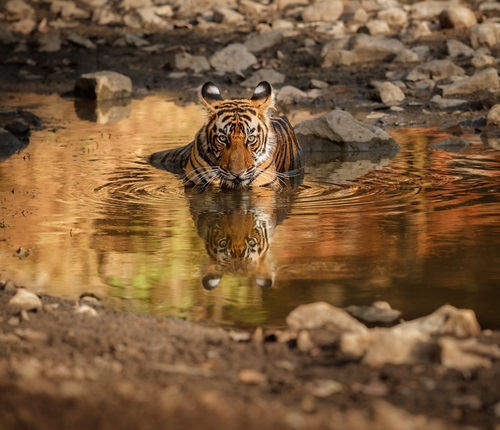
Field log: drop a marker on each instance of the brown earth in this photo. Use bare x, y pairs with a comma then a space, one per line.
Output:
59, 369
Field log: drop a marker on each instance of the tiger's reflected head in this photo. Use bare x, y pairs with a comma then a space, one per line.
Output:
237, 229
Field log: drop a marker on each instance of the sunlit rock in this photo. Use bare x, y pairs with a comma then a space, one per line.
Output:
485, 35
269, 75
390, 94
459, 49
493, 116
481, 61
289, 95
9, 144
465, 354
84, 309
427, 9
339, 131
323, 10
436, 70
226, 15
321, 315
25, 300
104, 85
444, 103
19, 9
103, 111
457, 16
266, 40
482, 80
68, 9
395, 17
233, 58
196, 63
81, 41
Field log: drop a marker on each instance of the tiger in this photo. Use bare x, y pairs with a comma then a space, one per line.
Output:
240, 146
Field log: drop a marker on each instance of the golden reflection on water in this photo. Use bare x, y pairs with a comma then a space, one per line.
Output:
418, 230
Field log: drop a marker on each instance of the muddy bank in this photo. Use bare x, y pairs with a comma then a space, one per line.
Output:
78, 365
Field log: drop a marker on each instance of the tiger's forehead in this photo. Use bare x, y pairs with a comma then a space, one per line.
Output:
235, 111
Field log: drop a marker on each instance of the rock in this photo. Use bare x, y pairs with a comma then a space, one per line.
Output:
150, 18
390, 94
25, 300
81, 41
252, 377
377, 312
453, 144
68, 10
289, 95
9, 144
377, 27
226, 15
480, 61
132, 39
427, 9
436, 70
233, 58
86, 310
384, 346
269, 75
458, 49
457, 16
263, 41
323, 387
339, 130
6, 37
19, 9
372, 48
482, 80
323, 10
416, 54
134, 4
106, 16
196, 63
395, 17
447, 320
50, 41
252, 9
466, 354
493, 116
18, 127
487, 35
24, 26
321, 315
440, 103
104, 85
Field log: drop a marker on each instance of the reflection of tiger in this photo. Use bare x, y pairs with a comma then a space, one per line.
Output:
240, 145
237, 229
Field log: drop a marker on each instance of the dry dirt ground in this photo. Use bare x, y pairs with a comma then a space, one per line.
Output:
59, 369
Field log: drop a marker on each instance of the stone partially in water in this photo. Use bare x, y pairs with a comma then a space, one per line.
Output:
9, 144
453, 144
340, 131
104, 85
377, 312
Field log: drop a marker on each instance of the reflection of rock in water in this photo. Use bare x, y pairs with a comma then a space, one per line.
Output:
103, 111
237, 228
341, 168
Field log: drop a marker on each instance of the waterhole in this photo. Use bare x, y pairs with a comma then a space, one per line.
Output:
418, 229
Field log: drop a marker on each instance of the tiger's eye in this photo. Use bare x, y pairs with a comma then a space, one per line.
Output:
251, 241
222, 243
251, 139
222, 139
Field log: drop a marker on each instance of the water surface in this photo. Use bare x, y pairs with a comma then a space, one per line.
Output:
419, 230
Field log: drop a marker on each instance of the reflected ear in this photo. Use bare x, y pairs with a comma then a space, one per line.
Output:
263, 96
209, 95
210, 281
264, 282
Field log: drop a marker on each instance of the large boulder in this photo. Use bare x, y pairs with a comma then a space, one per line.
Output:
339, 131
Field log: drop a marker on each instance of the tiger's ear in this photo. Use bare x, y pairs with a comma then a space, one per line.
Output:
263, 96
209, 95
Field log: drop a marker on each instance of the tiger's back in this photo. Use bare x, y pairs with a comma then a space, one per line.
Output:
240, 146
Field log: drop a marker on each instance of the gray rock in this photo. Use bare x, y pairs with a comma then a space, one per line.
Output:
18, 9
321, 315
395, 17
68, 10
50, 41
196, 63
445, 321
289, 95
252, 9
481, 61
458, 49
340, 131
427, 9
436, 70
378, 312
440, 103
235, 57
390, 94
377, 27
457, 16
81, 41
493, 116
6, 36
25, 300
371, 48
103, 85
487, 35
269, 75
416, 54
482, 80
452, 144
323, 10
264, 40
9, 144
226, 15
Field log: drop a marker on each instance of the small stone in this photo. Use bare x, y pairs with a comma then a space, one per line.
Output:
316, 83
323, 387
441, 103
427, 9
264, 41
377, 312
81, 41
68, 10
233, 58
482, 80
90, 299
24, 299
323, 10
377, 27
104, 85
196, 63
10, 287
31, 335
390, 94
24, 26
106, 16
240, 336
19, 9
458, 17
252, 377
226, 15
480, 61
493, 116
459, 49
86, 310
487, 35
395, 17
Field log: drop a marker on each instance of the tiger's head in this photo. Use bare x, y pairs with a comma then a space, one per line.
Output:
237, 141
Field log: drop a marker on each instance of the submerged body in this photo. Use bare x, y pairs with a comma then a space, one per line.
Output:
240, 146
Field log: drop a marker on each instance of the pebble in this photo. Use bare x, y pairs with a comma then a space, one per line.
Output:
86, 310
459, 49
252, 377
323, 387
81, 41
25, 300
